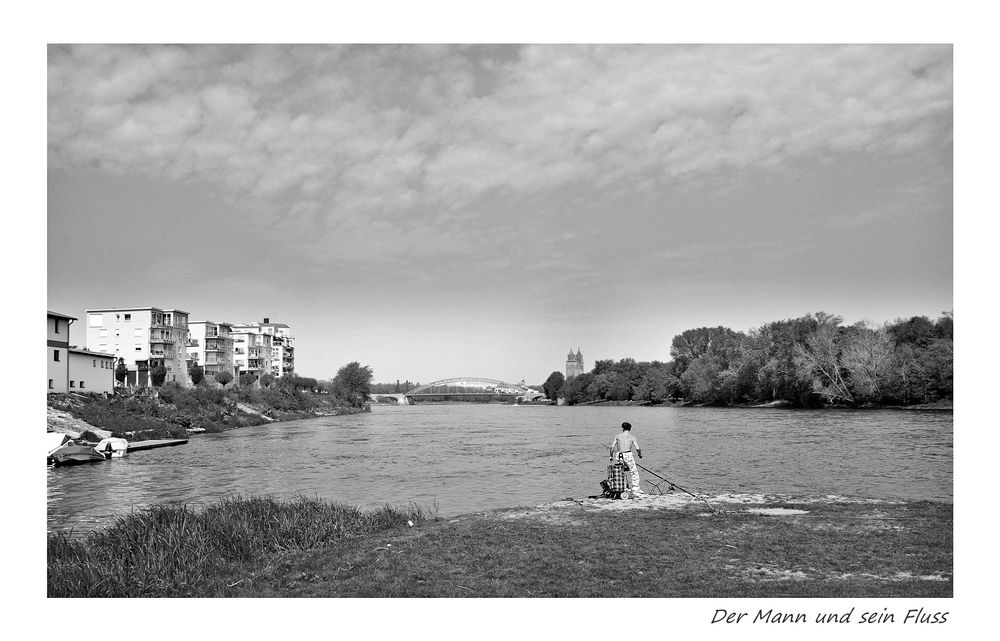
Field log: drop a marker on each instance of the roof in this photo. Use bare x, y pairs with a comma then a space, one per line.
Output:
58, 315
77, 350
255, 324
134, 309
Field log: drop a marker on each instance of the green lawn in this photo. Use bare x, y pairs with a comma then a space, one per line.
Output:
568, 549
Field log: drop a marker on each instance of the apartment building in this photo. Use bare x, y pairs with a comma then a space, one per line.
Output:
281, 348
144, 337
252, 352
57, 351
211, 345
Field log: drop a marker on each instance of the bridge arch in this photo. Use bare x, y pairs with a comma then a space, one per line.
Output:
484, 385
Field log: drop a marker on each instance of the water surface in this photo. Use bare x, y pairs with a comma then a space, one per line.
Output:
466, 458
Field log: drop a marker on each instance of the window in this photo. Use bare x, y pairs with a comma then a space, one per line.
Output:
95, 362
51, 384
128, 317
55, 355
81, 384
137, 331
72, 383
95, 320
57, 324
103, 333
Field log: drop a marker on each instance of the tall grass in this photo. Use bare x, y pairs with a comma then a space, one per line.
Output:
173, 550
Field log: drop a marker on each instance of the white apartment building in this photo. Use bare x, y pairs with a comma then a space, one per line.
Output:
252, 352
144, 337
57, 352
281, 355
211, 346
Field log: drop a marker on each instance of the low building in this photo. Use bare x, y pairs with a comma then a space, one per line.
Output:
57, 352
91, 372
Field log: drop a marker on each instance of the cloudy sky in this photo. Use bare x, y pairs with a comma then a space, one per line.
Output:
439, 211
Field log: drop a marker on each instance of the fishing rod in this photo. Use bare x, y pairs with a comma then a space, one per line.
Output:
674, 485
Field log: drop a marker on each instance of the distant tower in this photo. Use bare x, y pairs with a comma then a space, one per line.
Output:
574, 364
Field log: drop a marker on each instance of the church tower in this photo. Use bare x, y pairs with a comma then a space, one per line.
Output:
574, 363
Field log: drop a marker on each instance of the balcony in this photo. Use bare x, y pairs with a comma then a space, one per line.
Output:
161, 340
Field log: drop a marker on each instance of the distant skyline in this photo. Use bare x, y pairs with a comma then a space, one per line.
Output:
439, 211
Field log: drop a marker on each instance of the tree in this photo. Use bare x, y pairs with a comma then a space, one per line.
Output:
266, 380
246, 379
197, 373
574, 389
866, 355
223, 378
352, 383
654, 387
158, 375
819, 359
701, 380
121, 372
552, 385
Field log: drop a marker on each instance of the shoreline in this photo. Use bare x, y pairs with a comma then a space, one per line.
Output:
937, 406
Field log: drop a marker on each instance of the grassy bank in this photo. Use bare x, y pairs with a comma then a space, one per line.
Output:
168, 411
176, 551
654, 547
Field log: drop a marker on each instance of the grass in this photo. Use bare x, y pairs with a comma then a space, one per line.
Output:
173, 550
261, 548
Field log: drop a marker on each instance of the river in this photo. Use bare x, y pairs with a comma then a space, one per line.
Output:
465, 458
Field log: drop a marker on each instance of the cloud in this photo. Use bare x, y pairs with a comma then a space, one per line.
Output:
393, 134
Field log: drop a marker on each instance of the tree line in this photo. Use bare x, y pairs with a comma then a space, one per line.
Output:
812, 361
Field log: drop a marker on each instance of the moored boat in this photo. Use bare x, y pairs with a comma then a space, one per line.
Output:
75, 455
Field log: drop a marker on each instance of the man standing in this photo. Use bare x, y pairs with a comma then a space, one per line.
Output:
622, 448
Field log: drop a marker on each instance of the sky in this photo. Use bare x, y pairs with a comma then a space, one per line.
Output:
435, 211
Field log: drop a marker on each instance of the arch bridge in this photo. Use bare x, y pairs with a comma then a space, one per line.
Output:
472, 389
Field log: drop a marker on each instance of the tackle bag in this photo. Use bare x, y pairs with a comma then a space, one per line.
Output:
616, 477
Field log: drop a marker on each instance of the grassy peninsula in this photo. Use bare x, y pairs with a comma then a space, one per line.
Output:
665, 546
169, 411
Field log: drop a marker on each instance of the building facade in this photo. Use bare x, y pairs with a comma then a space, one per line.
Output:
252, 352
574, 364
280, 359
145, 337
210, 345
57, 352
91, 372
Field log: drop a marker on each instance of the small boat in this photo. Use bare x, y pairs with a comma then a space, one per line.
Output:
112, 447
75, 455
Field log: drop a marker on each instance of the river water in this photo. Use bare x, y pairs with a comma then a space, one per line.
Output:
465, 458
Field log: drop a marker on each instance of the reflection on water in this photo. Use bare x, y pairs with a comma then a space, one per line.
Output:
466, 458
